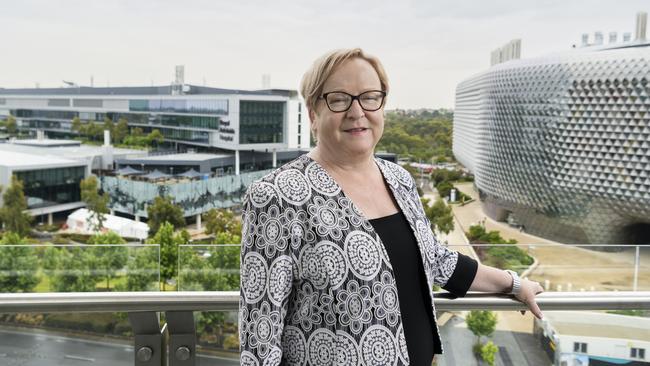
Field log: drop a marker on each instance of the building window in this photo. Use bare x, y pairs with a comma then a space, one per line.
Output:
261, 122
579, 347
637, 353
88, 103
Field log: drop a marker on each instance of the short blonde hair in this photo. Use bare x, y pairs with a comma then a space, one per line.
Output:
311, 86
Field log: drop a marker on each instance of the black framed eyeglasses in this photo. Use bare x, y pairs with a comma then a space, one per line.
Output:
369, 101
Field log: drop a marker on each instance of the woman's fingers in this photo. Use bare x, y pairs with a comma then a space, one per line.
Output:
529, 290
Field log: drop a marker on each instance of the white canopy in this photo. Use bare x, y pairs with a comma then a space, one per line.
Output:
78, 221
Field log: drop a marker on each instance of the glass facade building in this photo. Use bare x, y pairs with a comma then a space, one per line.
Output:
47, 187
261, 122
561, 144
207, 117
200, 106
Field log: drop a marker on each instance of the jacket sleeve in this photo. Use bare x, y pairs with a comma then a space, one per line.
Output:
452, 271
266, 277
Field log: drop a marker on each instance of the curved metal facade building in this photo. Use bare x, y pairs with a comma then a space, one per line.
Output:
562, 143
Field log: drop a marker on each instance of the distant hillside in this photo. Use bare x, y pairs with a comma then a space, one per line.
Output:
420, 134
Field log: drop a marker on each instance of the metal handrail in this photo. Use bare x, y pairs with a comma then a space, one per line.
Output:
229, 300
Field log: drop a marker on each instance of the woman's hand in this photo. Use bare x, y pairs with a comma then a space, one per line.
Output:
527, 295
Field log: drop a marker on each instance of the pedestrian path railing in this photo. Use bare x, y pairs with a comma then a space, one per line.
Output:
173, 342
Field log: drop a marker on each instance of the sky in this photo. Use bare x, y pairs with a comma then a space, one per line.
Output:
426, 46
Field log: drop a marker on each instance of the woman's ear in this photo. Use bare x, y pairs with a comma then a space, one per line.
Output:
312, 116
312, 125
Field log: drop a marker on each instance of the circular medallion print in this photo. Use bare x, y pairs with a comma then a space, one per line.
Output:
363, 254
321, 181
254, 275
248, 359
321, 348
262, 193
280, 278
347, 351
378, 347
294, 345
274, 357
293, 186
324, 264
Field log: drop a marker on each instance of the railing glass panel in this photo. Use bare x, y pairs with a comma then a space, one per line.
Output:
212, 268
571, 267
562, 338
74, 338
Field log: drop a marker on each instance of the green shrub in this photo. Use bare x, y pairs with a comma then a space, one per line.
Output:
488, 353
231, 342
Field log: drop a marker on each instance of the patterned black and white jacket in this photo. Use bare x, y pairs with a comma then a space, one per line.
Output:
317, 286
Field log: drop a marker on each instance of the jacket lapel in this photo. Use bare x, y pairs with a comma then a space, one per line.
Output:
405, 199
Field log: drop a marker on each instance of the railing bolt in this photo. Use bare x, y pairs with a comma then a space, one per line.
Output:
144, 354
183, 353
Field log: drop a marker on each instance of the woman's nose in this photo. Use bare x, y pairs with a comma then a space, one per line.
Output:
355, 111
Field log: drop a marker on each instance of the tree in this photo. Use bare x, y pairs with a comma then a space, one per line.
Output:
444, 188
94, 131
221, 221
214, 269
440, 216
111, 257
108, 125
97, 203
121, 130
481, 323
154, 138
169, 243
163, 210
13, 214
76, 125
1, 223
142, 270
19, 265
71, 268
11, 125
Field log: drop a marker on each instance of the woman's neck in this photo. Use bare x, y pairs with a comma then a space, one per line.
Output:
340, 165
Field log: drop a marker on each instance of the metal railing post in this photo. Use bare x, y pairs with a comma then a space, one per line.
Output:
636, 270
148, 339
182, 338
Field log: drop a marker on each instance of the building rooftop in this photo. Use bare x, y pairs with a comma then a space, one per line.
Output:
596, 324
66, 152
141, 90
47, 142
184, 157
19, 160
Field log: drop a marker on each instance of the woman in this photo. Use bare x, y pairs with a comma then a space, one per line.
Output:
338, 258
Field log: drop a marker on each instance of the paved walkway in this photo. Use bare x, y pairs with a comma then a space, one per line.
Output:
564, 265
521, 348
456, 238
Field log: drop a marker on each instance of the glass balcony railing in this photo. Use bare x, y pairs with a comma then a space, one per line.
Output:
101, 305
70, 337
212, 268
585, 267
174, 343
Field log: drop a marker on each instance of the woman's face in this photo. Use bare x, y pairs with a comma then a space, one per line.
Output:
339, 133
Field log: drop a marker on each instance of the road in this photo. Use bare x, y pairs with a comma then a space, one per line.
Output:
40, 348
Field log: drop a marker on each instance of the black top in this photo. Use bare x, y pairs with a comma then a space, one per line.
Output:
414, 300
